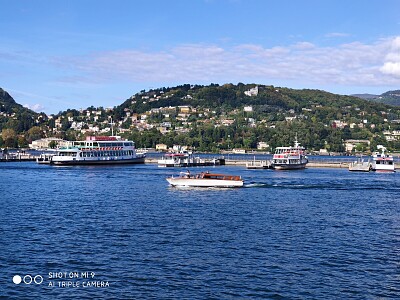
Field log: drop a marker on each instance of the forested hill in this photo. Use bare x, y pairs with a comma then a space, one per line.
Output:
216, 117
390, 97
8, 104
14, 115
229, 96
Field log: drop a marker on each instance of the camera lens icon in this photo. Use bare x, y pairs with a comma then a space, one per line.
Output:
28, 279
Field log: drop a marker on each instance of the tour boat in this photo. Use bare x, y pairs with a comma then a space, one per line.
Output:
206, 179
288, 158
98, 150
382, 162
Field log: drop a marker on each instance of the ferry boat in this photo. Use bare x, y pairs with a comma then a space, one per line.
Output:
206, 179
98, 150
382, 162
289, 158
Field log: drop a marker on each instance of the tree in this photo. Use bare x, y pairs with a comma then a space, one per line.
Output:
35, 133
10, 138
53, 144
22, 142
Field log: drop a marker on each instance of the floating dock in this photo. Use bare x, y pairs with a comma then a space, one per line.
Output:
259, 164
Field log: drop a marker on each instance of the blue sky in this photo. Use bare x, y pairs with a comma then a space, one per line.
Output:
56, 55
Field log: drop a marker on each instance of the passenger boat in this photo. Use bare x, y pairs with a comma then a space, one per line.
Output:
206, 179
98, 150
382, 162
288, 158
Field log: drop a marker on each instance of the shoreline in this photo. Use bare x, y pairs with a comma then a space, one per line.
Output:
229, 162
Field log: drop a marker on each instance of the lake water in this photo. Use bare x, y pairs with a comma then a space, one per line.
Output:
120, 232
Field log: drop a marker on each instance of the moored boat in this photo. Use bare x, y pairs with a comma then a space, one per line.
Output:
382, 162
206, 179
289, 158
98, 150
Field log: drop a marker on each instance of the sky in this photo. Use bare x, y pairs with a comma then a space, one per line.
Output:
56, 55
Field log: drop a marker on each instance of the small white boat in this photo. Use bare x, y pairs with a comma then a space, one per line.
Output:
206, 179
382, 162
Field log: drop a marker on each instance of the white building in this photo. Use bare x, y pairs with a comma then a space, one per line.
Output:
44, 143
252, 92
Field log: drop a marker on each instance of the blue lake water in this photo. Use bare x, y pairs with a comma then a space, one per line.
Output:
308, 234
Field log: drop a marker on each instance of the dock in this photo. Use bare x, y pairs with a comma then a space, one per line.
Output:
265, 164
259, 164
15, 157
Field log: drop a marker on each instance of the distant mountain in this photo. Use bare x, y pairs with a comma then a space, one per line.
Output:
365, 96
390, 97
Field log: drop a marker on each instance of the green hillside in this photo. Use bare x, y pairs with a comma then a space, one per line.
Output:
216, 117
321, 119
13, 115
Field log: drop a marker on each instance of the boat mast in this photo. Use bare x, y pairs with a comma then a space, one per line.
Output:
112, 127
296, 143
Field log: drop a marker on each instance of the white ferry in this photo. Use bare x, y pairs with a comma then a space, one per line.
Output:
288, 158
206, 179
382, 162
98, 150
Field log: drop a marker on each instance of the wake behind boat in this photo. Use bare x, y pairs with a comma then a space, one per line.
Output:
98, 150
206, 180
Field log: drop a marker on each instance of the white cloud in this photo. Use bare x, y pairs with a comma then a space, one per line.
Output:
35, 107
353, 63
391, 65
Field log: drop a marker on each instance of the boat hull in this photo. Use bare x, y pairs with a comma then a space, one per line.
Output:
383, 168
289, 166
192, 182
138, 160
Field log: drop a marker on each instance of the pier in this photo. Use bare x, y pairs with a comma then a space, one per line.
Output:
265, 164
10, 157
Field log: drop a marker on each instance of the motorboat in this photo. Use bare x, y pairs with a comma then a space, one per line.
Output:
206, 179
